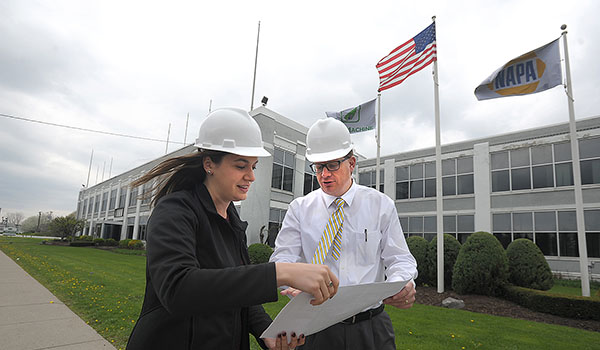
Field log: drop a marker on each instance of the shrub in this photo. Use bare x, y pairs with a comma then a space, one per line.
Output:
135, 244
571, 306
259, 253
527, 266
418, 248
83, 243
111, 242
451, 250
99, 241
124, 243
84, 238
481, 266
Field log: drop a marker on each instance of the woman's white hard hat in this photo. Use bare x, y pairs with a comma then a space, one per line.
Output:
231, 130
327, 139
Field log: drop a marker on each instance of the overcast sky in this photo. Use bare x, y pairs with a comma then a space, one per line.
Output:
133, 67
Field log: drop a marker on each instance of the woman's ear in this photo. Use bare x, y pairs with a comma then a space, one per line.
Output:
208, 164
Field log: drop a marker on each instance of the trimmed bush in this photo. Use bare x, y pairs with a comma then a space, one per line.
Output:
527, 266
111, 242
481, 266
451, 250
83, 243
578, 307
124, 243
85, 238
259, 253
135, 244
99, 241
418, 248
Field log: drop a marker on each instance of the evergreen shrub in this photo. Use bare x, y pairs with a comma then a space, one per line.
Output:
124, 243
259, 253
110, 242
451, 250
99, 241
527, 266
135, 244
481, 266
418, 248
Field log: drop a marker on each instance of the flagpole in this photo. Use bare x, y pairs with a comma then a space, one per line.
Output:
378, 137
581, 240
186, 128
255, 63
438, 181
168, 135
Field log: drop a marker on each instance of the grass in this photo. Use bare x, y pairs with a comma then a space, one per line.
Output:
573, 287
106, 290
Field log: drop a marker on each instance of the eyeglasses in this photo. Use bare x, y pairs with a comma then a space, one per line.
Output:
331, 166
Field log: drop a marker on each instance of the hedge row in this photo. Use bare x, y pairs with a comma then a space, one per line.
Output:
584, 308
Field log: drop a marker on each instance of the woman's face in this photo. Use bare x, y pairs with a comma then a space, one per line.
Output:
232, 177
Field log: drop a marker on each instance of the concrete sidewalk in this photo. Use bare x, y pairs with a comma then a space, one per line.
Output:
33, 318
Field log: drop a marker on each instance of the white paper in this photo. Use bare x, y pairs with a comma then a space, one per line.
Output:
301, 317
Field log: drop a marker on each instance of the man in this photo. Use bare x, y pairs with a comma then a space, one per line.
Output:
355, 231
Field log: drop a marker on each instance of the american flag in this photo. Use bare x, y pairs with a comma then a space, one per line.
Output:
407, 59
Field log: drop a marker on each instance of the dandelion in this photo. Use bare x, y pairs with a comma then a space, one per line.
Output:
410, 332
452, 335
472, 321
51, 301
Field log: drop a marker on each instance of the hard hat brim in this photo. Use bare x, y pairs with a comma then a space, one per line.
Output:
327, 156
241, 151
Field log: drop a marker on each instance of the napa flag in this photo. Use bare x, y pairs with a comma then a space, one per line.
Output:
407, 59
532, 72
357, 119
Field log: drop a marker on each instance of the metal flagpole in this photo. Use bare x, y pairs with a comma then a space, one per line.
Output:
255, 63
186, 127
89, 170
378, 137
438, 182
581, 240
110, 168
168, 135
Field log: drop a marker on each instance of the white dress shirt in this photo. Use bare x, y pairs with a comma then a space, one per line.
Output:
373, 245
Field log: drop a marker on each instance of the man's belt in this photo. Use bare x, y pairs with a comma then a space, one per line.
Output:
363, 316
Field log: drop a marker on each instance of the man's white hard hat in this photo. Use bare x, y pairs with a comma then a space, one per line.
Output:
327, 139
231, 130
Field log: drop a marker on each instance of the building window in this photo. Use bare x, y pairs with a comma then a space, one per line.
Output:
123, 197
113, 199
146, 195
459, 226
275, 219
283, 170
554, 232
589, 150
402, 182
85, 207
97, 203
104, 201
133, 197
310, 179
369, 178
457, 176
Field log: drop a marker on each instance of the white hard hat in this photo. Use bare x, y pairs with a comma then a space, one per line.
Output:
327, 139
231, 130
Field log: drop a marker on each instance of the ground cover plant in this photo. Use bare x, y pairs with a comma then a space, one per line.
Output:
106, 290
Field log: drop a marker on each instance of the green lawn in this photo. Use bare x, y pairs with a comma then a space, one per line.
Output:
106, 290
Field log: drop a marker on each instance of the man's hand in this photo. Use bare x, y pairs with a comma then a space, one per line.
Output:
405, 298
280, 343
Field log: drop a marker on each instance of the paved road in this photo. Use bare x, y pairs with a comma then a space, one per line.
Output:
32, 318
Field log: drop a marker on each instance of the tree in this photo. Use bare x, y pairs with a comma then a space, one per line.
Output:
64, 226
29, 224
15, 218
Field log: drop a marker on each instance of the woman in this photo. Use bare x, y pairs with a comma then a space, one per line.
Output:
201, 292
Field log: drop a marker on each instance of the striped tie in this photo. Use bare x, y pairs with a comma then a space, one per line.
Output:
332, 234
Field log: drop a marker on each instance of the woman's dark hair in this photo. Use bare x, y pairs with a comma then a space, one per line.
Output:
178, 173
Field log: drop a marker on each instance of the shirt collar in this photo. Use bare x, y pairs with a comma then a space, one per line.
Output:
348, 197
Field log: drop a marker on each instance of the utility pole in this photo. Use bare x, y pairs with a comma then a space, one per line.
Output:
39, 218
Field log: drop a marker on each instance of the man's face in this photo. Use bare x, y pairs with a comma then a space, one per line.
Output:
336, 182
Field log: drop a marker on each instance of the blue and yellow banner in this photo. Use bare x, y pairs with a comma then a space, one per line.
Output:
532, 72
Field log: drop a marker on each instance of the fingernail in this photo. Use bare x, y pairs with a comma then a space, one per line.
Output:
294, 334
301, 336
283, 334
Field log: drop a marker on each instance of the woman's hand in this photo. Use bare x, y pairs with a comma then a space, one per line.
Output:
316, 279
291, 292
280, 343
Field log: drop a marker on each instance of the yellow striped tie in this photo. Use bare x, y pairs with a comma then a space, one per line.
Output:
332, 236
